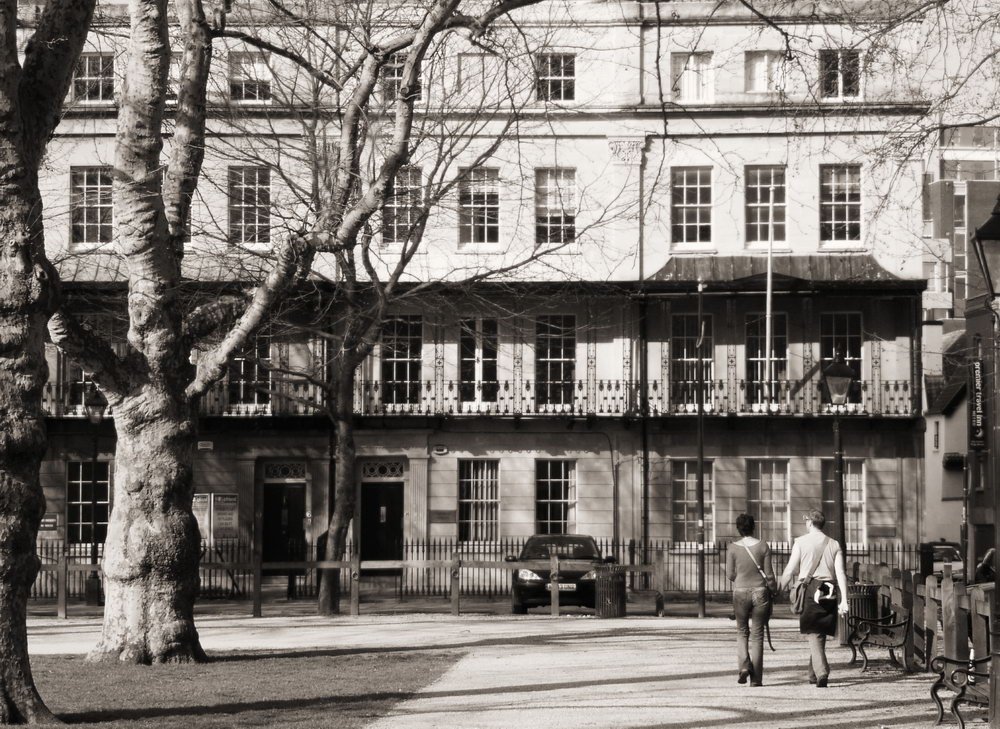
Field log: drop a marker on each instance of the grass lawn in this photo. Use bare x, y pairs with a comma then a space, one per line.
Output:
303, 689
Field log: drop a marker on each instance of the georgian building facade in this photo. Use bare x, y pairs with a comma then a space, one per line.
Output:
667, 153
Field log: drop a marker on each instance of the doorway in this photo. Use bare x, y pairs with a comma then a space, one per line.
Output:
284, 534
382, 520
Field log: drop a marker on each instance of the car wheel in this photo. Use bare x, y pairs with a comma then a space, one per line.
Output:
517, 608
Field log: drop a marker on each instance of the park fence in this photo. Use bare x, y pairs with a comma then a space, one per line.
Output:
425, 567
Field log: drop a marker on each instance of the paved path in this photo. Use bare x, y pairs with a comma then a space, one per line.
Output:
538, 672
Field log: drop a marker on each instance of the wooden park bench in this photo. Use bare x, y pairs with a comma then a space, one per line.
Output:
890, 631
969, 679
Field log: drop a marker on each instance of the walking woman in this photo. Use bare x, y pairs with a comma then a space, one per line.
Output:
817, 559
748, 564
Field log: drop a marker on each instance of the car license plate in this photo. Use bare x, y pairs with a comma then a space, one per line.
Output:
563, 586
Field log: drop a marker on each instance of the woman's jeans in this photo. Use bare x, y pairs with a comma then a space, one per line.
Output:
753, 610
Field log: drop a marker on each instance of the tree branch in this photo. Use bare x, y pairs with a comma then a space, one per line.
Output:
207, 319
187, 152
49, 60
78, 342
292, 259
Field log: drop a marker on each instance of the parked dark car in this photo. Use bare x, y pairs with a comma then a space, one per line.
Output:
532, 588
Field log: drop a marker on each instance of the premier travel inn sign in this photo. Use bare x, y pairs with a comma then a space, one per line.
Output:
977, 413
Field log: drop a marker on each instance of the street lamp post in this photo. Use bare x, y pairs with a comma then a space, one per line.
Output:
986, 246
838, 377
93, 406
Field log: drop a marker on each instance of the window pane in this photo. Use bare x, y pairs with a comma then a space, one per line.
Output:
555, 486
478, 500
86, 485
555, 360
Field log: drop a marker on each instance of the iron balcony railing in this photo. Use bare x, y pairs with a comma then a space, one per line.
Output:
600, 398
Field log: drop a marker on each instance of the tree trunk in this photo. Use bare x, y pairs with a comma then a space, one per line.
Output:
153, 544
344, 494
24, 300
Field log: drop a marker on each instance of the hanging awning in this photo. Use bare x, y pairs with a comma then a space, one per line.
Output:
790, 272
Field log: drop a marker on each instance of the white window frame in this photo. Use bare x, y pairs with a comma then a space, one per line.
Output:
836, 181
74, 488
690, 525
555, 206
478, 500
244, 396
764, 72
244, 199
474, 330
840, 56
757, 213
391, 79
402, 209
568, 498
692, 78
684, 356
682, 179
479, 207
250, 71
754, 390
555, 77
404, 394
858, 362
84, 80
751, 464
91, 194
558, 394
859, 506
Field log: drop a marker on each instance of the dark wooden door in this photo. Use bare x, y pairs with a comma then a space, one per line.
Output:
382, 521
283, 529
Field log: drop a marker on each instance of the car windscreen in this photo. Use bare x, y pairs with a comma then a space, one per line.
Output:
581, 548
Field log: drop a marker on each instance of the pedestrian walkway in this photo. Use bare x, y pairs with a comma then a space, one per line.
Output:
575, 671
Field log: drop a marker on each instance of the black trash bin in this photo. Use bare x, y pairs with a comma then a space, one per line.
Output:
862, 602
609, 592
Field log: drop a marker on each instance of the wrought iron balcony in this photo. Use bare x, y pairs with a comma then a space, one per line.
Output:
601, 398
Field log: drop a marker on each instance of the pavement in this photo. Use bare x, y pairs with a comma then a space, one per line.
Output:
572, 671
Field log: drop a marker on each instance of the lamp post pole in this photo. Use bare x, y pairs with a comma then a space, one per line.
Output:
93, 405
838, 483
838, 377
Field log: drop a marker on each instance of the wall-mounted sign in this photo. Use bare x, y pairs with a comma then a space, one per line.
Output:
201, 507
49, 523
206, 445
977, 407
443, 516
226, 516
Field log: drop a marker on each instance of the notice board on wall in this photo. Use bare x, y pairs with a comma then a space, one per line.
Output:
218, 516
226, 516
201, 507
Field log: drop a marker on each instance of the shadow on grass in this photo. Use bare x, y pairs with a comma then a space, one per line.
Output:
364, 700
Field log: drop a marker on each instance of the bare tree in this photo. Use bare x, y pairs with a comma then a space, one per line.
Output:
31, 95
153, 391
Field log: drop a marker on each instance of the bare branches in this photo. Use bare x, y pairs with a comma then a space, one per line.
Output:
91, 351
324, 77
292, 258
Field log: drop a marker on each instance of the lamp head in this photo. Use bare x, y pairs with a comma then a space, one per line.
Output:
94, 404
839, 377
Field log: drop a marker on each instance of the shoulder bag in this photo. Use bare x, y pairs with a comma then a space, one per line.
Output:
768, 582
797, 594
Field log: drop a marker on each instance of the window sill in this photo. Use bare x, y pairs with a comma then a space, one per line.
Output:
693, 247
479, 249
778, 247
835, 246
